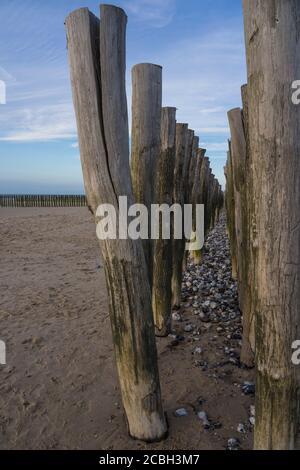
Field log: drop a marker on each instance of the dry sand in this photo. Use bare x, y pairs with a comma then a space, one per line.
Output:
59, 389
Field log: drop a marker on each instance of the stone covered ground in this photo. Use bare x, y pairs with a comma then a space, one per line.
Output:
59, 389
210, 319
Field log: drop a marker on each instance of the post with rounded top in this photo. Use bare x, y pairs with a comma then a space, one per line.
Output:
178, 198
162, 259
145, 140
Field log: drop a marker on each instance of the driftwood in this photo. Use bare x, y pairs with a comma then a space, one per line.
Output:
98, 85
162, 259
272, 32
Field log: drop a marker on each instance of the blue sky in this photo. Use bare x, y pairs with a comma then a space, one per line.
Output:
199, 43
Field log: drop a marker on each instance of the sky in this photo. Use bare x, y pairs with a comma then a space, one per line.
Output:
199, 43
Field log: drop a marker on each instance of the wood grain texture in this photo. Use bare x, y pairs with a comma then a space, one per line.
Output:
98, 85
162, 259
230, 210
272, 32
240, 176
196, 195
178, 198
145, 139
250, 256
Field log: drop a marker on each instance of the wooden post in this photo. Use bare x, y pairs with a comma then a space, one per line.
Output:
187, 163
98, 84
220, 201
145, 139
231, 211
272, 32
197, 195
189, 183
249, 232
213, 201
162, 259
186, 187
178, 198
239, 165
205, 174
192, 167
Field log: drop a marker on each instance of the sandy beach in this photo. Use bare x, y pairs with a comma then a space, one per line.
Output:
59, 389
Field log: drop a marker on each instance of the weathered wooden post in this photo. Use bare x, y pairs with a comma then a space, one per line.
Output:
272, 32
240, 174
206, 199
162, 259
98, 83
145, 139
178, 198
191, 170
189, 183
220, 201
189, 149
250, 234
197, 195
187, 163
213, 201
230, 210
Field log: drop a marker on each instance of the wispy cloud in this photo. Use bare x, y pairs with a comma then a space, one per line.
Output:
156, 13
213, 130
202, 78
215, 146
6, 76
39, 123
202, 73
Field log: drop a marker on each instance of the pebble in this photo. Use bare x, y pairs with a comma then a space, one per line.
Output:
248, 388
241, 428
252, 420
213, 298
203, 417
233, 444
180, 413
176, 316
188, 328
198, 351
204, 317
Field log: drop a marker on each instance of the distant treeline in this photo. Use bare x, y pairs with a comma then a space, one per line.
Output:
28, 200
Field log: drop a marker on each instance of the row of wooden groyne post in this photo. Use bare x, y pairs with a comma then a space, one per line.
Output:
263, 209
27, 200
166, 167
